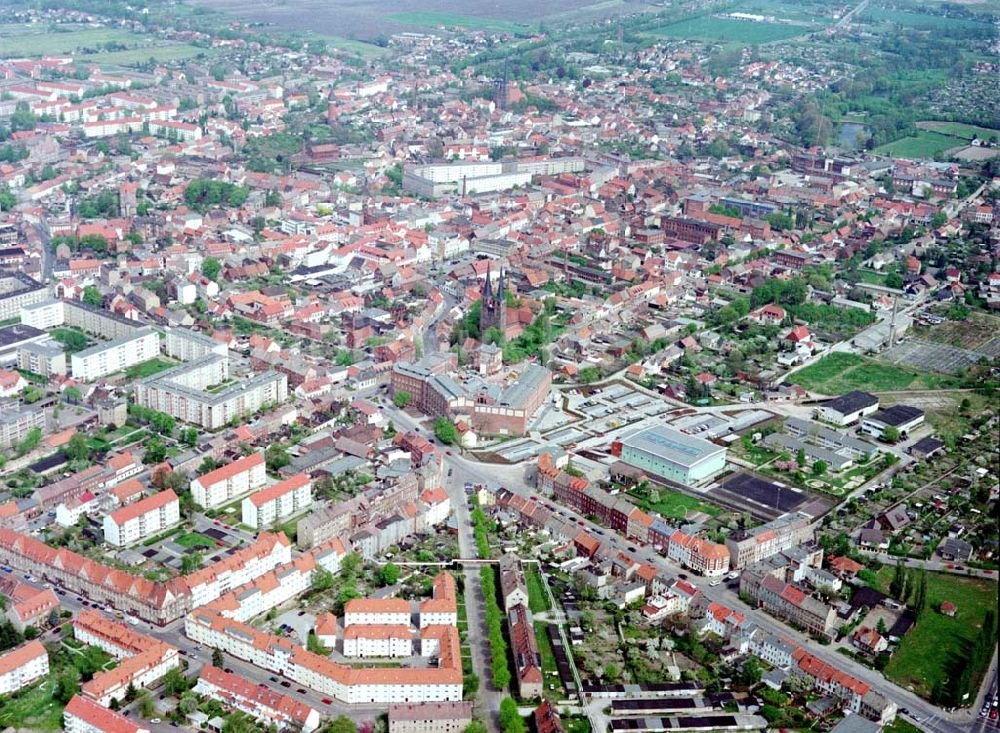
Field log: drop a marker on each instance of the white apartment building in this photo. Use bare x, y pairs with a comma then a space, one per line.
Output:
377, 611
142, 519
83, 715
222, 485
277, 502
273, 589
258, 701
23, 665
378, 641
116, 355
42, 357
182, 392
210, 583
188, 345
44, 315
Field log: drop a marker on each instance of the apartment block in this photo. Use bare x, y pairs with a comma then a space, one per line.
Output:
16, 291
377, 640
23, 665
115, 356
142, 519
188, 345
83, 715
142, 659
753, 545
46, 358
378, 611
277, 502
430, 717
16, 421
258, 701
184, 392
230, 482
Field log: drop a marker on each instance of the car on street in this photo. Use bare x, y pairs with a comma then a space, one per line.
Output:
682, 576
327, 701
286, 683
301, 691
273, 679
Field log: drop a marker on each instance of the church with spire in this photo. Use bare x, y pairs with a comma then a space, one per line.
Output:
493, 304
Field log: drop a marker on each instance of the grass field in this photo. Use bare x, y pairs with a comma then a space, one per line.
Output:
837, 373
925, 144
349, 45
148, 368
710, 28
162, 54
538, 599
192, 540
429, 19
28, 42
959, 129
922, 21
937, 641
672, 504
548, 658
33, 708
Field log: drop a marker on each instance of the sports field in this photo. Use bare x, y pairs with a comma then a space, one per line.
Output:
924, 144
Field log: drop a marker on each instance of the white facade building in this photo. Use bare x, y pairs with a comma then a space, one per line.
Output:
116, 355
142, 519
83, 715
378, 641
23, 665
277, 502
225, 484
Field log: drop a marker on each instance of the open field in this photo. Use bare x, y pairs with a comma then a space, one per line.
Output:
469, 22
367, 21
31, 42
925, 144
162, 54
711, 28
959, 129
149, 368
973, 333
193, 540
32, 708
837, 373
937, 642
922, 21
671, 503
538, 599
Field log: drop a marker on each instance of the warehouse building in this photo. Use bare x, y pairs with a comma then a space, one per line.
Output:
672, 455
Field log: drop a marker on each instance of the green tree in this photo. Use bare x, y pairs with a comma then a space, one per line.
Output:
819, 468
218, 658
174, 682
894, 280
445, 431
401, 399
342, 724
890, 434
322, 579
920, 599
751, 671
77, 448
510, 719
211, 267
276, 457
155, 452
350, 566
72, 394
92, 296
67, 685
476, 726
898, 581
800, 457
190, 562
388, 574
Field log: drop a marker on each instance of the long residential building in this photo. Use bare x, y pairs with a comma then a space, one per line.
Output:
789, 602
23, 665
223, 485
430, 717
527, 658
258, 701
156, 602
183, 392
142, 519
16, 291
279, 501
115, 356
344, 683
83, 715
142, 659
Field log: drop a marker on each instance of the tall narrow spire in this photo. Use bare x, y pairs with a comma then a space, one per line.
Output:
501, 294
488, 286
